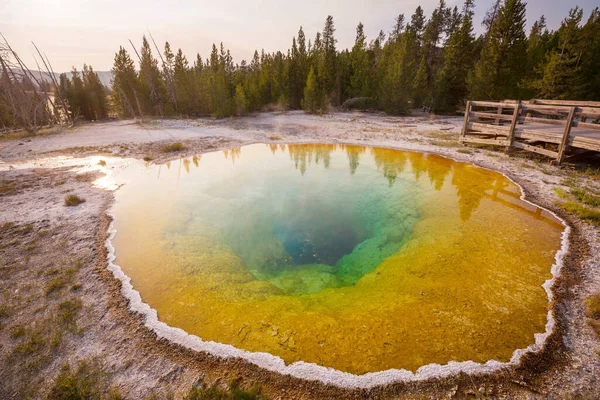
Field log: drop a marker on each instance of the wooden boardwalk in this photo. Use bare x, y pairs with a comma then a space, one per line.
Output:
549, 127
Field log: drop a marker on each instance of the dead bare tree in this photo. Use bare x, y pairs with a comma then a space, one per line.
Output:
58, 92
27, 96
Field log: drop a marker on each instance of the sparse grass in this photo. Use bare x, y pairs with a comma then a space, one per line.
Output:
440, 135
593, 312
26, 229
580, 200
102, 163
32, 343
6, 188
68, 311
87, 381
73, 200
17, 332
85, 177
31, 246
43, 232
275, 137
6, 226
560, 192
55, 285
3, 311
464, 151
585, 213
172, 148
443, 143
204, 392
585, 197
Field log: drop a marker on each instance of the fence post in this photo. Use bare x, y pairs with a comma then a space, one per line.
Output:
465, 129
513, 125
565, 138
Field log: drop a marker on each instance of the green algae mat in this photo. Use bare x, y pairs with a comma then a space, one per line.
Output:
355, 258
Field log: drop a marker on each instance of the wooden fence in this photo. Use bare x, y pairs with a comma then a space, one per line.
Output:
548, 127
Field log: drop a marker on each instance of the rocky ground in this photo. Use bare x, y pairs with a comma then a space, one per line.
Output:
62, 313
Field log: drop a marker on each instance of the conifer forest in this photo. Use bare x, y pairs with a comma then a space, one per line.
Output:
432, 62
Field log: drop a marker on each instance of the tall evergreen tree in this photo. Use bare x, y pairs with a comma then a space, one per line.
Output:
361, 69
312, 95
499, 71
327, 70
125, 93
95, 94
590, 57
151, 81
452, 79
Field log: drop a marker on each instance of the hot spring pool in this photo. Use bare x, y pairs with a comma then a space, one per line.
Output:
355, 258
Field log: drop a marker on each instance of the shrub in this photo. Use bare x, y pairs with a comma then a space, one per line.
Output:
17, 332
172, 148
73, 200
204, 392
593, 312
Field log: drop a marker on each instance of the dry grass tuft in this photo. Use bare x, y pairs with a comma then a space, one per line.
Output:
593, 312
172, 148
73, 200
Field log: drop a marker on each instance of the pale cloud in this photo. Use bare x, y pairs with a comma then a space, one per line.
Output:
72, 32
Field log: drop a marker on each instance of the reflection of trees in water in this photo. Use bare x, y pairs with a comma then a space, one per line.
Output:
304, 154
437, 170
419, 163
186, 165
233, 153
390, 162
354, 153
471, 183
196, 160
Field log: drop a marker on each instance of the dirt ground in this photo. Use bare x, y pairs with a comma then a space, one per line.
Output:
60, 306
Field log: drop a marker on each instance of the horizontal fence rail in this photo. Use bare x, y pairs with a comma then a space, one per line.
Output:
547, 127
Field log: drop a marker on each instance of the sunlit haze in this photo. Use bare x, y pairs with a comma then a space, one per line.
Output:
75, 32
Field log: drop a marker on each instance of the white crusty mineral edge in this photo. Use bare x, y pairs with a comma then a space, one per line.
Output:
311, 371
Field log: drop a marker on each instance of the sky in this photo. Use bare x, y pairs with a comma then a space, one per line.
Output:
73, 32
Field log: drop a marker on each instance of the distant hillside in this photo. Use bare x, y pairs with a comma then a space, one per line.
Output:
105, 76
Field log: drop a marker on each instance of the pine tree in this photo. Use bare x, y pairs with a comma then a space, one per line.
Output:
499, 71
327, 61
398, 28
417, 24
167, 72
590, 57
360, 78
452, 80
241, 103
537, 47
95, 95
151, 82
431, 37
184, 85
561, 78
397, 79
125, 86
312, 96
420, 87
